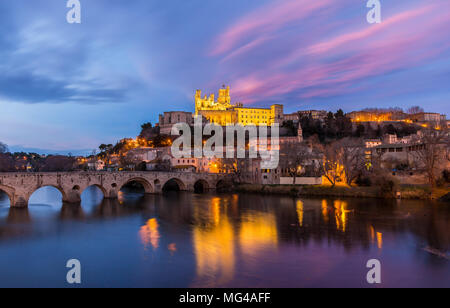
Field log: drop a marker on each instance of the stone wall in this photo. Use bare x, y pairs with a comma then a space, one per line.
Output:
301, 181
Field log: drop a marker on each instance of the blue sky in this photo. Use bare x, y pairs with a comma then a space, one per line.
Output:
71, 87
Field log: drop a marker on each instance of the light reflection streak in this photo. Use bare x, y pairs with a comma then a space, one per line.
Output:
149, 234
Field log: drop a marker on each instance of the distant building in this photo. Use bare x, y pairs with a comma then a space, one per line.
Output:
96, 165
427, 118
393, 139
398, 153
390, 139
394, 115
170, 118
314, 114
377, 116
143, 154
294, 117
371, 143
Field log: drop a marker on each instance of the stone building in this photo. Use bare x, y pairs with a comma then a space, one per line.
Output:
170, 118
314, 114
223, 112
294, 117
427, 118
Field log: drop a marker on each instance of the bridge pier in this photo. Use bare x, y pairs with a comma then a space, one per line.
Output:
111, 195
72, 197
19, 201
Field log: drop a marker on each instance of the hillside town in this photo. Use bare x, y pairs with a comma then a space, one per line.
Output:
316, 146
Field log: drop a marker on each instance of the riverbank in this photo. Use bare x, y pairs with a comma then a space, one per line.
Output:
418, 192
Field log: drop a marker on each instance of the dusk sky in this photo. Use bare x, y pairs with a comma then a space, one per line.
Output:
73, 86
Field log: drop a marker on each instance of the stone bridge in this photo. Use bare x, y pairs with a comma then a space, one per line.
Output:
20, 186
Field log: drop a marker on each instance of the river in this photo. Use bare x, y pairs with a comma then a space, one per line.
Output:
223, 240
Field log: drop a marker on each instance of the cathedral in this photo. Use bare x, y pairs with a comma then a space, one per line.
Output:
223, 112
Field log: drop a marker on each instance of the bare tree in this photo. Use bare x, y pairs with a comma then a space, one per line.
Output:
415, 110
343, 160
57, 163
353, 158
293, 157
3, 148
432, 152
7, 163
331, 167
238, 168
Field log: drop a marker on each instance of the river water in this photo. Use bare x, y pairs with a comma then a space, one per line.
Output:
223, 240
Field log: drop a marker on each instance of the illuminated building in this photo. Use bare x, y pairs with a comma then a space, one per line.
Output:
381, 115
223, 112
368, 116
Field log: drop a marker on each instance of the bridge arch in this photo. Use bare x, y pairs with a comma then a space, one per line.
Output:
60, 189
100, 187
148, 188
9, 192
174, 184
222, 185
201, 186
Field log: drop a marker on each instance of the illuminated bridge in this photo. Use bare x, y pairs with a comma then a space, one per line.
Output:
20, 186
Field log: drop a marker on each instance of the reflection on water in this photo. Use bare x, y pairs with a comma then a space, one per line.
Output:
230, 240
150, 234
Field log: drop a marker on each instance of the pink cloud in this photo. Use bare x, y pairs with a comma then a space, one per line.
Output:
337, 77
266, 20
369, 31
332, 67
246, 47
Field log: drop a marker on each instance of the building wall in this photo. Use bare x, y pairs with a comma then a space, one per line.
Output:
301, 181
254, 116
315, 114
170, 118
294, 117
277, 113
219, 117
426, 117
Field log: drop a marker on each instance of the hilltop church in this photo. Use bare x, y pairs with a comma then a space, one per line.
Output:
222, 112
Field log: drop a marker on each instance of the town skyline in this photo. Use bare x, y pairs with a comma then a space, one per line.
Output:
71, 87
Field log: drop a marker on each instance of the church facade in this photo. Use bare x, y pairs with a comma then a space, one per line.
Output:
223, 112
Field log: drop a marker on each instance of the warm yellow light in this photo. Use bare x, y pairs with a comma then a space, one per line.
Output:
380, 240
150, 234
300, 212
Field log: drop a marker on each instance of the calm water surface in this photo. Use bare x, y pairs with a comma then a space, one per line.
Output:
230, 240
